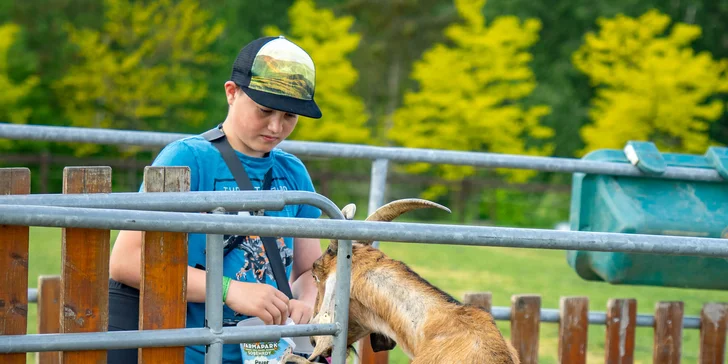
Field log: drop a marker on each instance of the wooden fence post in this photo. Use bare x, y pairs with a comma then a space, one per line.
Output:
368, 356
668, 332
49, 319
14, 265
85, 268
525, 325
573, 329
163, 298
713, 326
483, 300
620, 331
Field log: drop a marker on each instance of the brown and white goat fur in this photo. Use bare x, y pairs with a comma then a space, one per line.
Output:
391, 302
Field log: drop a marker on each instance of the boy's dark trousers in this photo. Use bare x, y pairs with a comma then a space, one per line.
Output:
124, 315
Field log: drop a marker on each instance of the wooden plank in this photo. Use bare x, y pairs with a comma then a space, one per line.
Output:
620, 331
49, 309
14, 265
85, 268
573, 329
163, 298
483, 300
668, 332
713, 326
525, 326
369, 356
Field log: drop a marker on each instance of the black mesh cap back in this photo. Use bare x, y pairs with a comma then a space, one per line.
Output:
244, 62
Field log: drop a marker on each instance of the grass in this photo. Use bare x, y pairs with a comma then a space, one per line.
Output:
502, 271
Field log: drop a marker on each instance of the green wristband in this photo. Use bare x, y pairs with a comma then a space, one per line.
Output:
225, 287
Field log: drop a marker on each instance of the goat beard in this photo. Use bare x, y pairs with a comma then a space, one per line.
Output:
293, 358
325, 343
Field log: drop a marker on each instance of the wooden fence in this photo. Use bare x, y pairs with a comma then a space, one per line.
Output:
77, 300
620, 328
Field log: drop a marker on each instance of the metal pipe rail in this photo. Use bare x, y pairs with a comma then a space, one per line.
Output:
52, 216
203, 201
502, 313
158, 338
595, 318
195, 201
408, 155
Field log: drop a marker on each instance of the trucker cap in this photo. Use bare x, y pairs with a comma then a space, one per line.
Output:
277, 73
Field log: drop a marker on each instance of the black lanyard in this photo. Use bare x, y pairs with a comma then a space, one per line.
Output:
218, 139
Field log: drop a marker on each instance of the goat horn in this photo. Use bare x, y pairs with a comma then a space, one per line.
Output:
393, 209
396, 208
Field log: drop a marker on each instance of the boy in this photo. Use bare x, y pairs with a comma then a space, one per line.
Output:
272, 83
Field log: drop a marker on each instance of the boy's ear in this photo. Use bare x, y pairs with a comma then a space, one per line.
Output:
231, 90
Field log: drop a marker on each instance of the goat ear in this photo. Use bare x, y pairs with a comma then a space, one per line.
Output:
333, 247
381, 342
348, 211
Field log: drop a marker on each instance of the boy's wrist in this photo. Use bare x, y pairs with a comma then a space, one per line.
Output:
226, 282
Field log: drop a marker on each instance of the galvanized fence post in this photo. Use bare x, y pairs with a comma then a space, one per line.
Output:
377, 191
342, 294
378, 187
213, 293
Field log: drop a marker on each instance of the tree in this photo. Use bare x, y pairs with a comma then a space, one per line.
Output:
469, 95
13, 91
144, 70
249, 17
328, 40
650, 85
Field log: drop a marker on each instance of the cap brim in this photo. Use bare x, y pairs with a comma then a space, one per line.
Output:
306, 108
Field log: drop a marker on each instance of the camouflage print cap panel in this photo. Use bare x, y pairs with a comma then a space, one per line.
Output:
283, 68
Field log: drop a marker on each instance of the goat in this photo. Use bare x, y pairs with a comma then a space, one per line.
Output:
394, 305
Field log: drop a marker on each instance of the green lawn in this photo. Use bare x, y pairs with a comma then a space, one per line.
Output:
502, 271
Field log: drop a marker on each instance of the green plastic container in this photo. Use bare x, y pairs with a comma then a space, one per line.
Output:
605, 203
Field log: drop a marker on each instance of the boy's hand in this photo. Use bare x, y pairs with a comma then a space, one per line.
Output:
260, 300
300, 311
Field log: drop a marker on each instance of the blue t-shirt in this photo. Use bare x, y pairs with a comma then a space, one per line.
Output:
247, 260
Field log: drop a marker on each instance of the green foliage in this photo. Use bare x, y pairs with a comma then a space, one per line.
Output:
391, 36
145, 70
13, 91
511, 207
650, 86
328, 40
245, 20
469, 94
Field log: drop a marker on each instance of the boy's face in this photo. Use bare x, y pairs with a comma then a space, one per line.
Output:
256, 129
